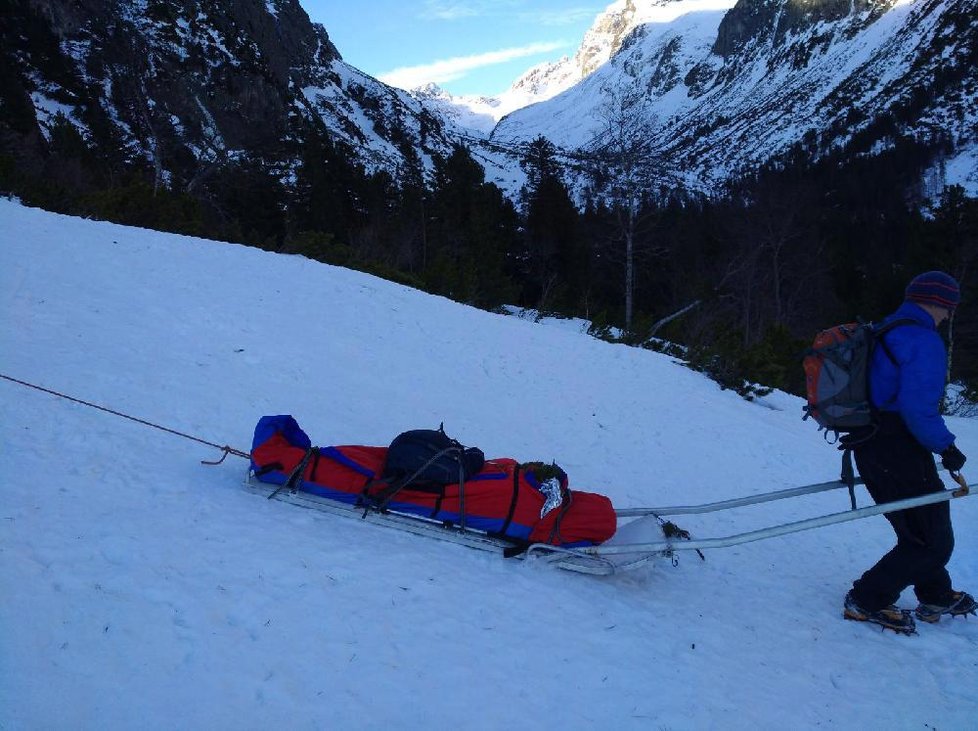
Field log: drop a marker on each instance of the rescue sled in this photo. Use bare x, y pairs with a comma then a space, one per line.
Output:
503, 498
597, 540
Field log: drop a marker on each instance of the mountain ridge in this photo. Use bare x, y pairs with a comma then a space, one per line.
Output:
746, 93
726, 87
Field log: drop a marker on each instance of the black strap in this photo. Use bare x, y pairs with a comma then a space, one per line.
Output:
372, 502
849, 475
879, 332
381, 500
889, 353
295, 477
565, 504
555, 539
438, 501
315, 466
879, 337
461, 489
270, 467
512, 503
370, 484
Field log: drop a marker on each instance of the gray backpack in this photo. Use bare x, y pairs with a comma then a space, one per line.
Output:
837, 375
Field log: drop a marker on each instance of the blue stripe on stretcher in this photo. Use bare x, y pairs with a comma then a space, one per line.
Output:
476, 522
337, 456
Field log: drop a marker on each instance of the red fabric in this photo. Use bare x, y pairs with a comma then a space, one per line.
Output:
590, 518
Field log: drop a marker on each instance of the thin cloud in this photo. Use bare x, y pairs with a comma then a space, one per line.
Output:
451, 69
458, 9
560, 17
455, 9
448, 11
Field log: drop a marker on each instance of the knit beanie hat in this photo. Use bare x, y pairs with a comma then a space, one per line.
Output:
934, 288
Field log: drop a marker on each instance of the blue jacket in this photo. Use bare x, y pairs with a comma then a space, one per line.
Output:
914, 389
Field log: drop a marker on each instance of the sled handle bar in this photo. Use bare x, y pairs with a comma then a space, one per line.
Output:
765, 497
964, 490
734, 503
780, 530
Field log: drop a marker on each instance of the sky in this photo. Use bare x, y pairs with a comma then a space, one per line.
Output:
142, 589
468, 47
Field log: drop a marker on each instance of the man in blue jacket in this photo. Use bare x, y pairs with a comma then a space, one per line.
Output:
907, 381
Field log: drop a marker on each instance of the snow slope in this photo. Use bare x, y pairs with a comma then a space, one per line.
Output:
142, 589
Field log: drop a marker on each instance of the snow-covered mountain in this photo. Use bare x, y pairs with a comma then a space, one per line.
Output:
184, 84
724, 91
178, 87
546, 80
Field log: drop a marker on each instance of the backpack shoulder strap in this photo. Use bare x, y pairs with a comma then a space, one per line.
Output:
883, 329
879, 332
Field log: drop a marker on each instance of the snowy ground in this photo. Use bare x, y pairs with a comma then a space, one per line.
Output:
144, 590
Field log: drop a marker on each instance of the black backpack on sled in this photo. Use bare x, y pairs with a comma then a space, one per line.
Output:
425, 456
423, 459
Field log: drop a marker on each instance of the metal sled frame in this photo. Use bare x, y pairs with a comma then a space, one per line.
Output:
608, 559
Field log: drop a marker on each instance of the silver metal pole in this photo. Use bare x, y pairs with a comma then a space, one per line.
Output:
777, 530
764, 497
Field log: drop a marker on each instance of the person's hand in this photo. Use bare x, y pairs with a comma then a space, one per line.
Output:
952, 459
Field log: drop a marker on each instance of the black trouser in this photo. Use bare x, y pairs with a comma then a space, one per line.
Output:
895, 466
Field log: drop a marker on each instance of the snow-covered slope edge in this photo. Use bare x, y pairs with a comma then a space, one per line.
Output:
141, 588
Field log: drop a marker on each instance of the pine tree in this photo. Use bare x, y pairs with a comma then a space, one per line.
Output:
470, 230
324, 198
555, 258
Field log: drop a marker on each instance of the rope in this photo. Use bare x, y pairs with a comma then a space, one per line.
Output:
226, 449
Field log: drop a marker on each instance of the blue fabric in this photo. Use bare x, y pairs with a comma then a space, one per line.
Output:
934, 288
914, 388
269, 425
475, 522
349, 498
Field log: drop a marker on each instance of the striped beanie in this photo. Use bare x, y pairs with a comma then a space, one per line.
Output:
934, 288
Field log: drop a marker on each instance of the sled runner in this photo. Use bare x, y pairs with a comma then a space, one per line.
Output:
505, 508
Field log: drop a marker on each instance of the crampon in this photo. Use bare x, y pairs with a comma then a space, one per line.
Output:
893, 618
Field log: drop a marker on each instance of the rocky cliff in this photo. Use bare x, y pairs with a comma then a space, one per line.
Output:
184, 84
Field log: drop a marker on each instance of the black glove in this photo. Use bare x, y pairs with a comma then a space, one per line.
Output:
952, 459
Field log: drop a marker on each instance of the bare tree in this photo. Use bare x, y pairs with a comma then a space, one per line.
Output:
780, 260
623, 152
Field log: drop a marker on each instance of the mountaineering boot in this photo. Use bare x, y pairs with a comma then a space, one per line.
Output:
898, 620
959, 604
